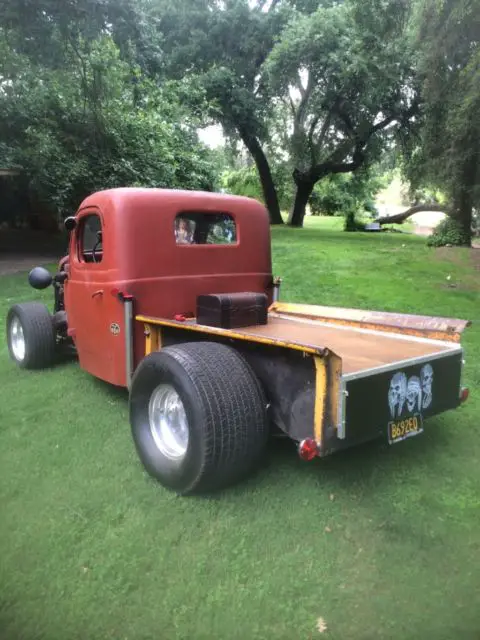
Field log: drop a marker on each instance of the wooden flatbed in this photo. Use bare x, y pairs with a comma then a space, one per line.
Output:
360, 349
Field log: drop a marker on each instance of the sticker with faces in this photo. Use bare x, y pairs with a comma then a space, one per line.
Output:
410, 394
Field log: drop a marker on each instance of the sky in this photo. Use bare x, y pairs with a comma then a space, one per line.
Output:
212, 136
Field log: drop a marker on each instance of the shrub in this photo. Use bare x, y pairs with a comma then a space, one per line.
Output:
449, 231
351, 223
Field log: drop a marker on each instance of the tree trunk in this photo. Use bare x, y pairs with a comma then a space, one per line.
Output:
265, 175
463, 213
302, 195
463, 209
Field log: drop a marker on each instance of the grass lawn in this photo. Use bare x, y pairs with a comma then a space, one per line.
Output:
381, 542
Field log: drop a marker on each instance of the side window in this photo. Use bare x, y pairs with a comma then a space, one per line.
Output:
90, 246
205, 228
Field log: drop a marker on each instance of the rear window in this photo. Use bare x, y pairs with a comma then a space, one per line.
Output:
205, 228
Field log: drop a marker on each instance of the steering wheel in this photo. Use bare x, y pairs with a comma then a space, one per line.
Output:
96, 245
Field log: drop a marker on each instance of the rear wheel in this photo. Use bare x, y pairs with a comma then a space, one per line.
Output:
31, 335
198, 416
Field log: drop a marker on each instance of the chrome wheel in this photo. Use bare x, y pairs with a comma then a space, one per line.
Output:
17, 339
168, 422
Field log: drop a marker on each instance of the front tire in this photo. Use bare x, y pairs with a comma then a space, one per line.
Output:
31, 335
198, 416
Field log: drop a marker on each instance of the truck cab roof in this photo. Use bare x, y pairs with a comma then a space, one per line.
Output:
168, 232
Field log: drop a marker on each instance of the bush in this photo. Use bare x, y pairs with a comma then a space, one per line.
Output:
339, 193
73, 137
476, 222
449, 231
351, 222
332, 196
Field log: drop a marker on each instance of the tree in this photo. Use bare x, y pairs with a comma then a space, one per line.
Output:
446, 153
342, 193
222, 46
346, 73
83, 125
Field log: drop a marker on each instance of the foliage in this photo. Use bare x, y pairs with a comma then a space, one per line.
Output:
338, 193
245, 181
95, 123
448, 232
46, 27
446, 153
476, 222
221, 46
346, 73
350, 222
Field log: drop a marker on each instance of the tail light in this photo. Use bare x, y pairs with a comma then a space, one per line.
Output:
464, 393
308, 449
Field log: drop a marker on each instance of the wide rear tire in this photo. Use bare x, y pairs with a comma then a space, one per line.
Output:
31, 335
198, 416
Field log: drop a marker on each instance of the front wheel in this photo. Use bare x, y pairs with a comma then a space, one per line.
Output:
31, 335
198, 416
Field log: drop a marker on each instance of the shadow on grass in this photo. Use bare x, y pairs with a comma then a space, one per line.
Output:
348, 470
351, 469
113, 392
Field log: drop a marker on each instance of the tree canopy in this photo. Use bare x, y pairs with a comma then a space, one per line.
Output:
95, 93
79, 117
223, 46
446, 152
346, 73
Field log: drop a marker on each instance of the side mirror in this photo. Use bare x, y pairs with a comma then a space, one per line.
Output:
70, 223
40, 278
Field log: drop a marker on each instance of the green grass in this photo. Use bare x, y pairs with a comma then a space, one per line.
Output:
381, 542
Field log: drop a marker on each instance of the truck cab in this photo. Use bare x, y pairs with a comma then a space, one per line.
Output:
134, 241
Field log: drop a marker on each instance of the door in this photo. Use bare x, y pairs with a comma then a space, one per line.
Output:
95, 316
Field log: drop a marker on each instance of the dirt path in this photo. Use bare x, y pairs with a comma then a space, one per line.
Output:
10, 264
422, 231
427, 231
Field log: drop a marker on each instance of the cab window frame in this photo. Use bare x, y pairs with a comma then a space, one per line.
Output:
208, 220
85, 255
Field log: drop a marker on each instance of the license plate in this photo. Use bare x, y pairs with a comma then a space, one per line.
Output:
406, 428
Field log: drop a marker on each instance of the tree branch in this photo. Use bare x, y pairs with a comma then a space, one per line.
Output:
312, 147
305, 93
292, 107
344, 117
335, 162
323, 131
313, 126
399, 218
332, 166
402, 115
300, 85
272, 6
83, 71
261, 5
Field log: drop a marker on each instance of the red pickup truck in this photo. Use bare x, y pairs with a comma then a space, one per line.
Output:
171, 294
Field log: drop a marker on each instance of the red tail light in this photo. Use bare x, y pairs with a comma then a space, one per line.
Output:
464, 393
307, 449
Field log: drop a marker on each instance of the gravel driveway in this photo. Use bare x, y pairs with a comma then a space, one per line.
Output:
16, 263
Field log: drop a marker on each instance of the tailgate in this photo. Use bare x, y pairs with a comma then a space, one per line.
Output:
395, 400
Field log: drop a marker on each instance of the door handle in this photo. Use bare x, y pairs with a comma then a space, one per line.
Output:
97, 293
